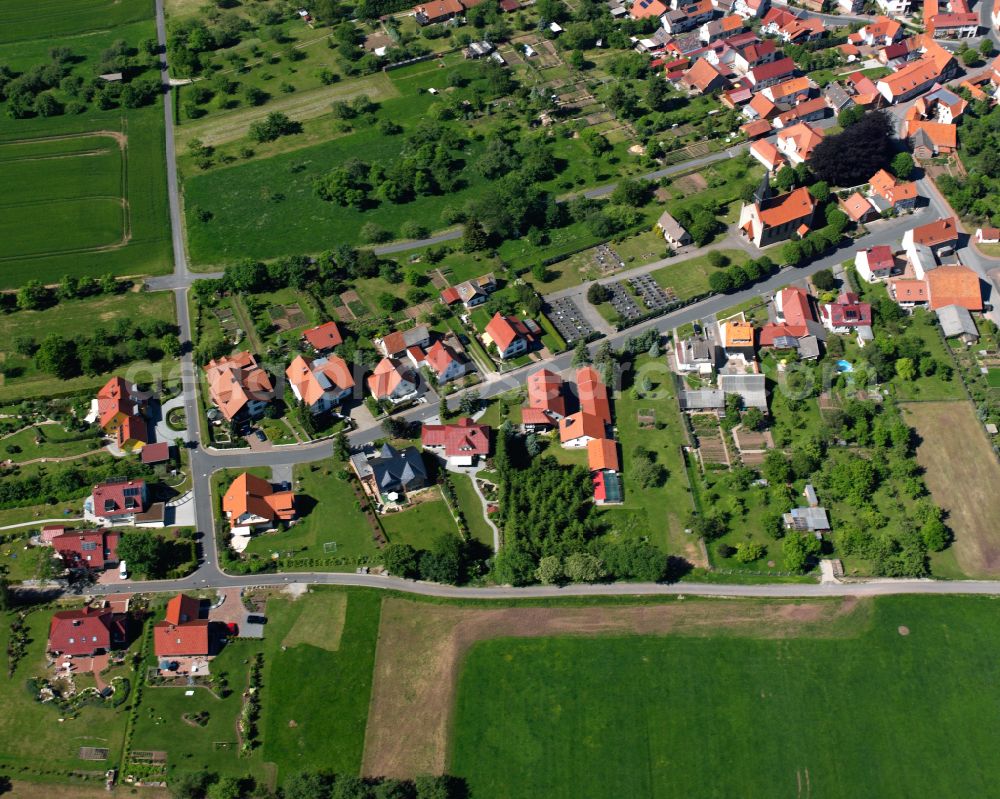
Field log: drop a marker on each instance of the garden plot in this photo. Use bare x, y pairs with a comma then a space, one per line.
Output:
711, 445
287, 317
752, 445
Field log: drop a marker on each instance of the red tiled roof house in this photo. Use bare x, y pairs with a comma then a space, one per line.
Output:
461, 443
118, 501
181, 633
85, 632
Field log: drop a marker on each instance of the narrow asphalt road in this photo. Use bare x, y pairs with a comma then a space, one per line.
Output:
771, 590
173, 191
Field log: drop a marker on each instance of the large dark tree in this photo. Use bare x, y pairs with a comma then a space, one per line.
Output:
850, 158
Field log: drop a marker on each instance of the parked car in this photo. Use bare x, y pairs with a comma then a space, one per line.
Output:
260, 435
256, 619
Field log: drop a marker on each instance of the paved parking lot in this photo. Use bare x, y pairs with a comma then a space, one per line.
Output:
569, 320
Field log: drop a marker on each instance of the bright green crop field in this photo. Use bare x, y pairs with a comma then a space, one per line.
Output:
86, 193
23, 20
898, 702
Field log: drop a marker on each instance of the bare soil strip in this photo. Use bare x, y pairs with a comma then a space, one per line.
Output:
421, 648
963, 477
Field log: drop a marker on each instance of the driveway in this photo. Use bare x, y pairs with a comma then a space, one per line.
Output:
163, 431
231, 610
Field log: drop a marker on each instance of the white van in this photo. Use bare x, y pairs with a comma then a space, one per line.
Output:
123, 570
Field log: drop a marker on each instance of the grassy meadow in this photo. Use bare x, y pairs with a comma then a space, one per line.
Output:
897, 705
71, 319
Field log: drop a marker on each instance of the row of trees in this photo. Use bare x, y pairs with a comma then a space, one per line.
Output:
314, 785
35, 296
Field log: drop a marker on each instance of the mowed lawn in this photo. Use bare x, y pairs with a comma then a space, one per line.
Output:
71, 320
30, 733
318, 490
317, 682
873, 714
689, 278
656, 513
163, 723
963, 477
419, 525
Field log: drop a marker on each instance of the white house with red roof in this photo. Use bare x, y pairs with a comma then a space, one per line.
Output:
444, 363
392, 381
118, 410
461, 443
765, 75
117, 502
510, 335
877, 263
751, 9
320, 383
847, 315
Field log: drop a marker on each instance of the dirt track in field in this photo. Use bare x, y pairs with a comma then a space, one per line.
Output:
963, 477
421, 649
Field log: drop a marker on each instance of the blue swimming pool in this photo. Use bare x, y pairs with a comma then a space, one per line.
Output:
844, 366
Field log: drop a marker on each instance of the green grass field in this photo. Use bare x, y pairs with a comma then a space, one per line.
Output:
31, 734
161, 725
71, 319
472, 507
83, 206
421, 524
316, 700
689, 278
291, 219
867, 713
657, 512
22, 20
47, 441
318, 492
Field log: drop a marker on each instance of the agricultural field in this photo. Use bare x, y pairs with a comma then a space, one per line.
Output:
927, 664
24, 20
962, 474
87, 156
75, 320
